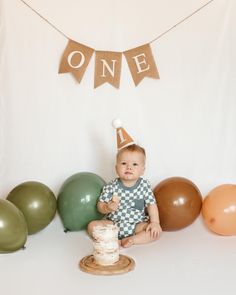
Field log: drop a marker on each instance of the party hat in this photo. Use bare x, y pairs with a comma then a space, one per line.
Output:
123, 138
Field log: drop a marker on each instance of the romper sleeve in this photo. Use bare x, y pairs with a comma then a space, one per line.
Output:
107, 192
149, 196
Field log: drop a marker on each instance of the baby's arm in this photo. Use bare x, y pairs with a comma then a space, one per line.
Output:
154, 225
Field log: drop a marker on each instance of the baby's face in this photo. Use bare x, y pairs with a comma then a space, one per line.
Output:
130, 166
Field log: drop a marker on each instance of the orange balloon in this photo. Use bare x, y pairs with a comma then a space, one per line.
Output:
219, 210
179, 202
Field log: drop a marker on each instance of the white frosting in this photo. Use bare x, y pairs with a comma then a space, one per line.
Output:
105, 243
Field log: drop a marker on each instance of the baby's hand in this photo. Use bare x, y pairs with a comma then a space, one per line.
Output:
155, 229
116, 199
113, 204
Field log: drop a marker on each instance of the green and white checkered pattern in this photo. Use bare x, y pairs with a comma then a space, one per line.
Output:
133, 201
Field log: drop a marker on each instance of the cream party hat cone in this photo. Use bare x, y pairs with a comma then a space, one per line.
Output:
123, 138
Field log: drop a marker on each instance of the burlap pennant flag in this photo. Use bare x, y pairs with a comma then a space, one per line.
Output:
107, 68
75, 59
141, 63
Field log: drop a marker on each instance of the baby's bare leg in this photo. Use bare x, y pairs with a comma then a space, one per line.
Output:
94, 223
140, 236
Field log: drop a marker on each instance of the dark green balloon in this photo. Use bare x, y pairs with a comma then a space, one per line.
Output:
37, 202
13, 228
77, 200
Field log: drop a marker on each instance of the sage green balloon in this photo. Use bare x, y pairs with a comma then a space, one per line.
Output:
37, 202
77, 200
13, 228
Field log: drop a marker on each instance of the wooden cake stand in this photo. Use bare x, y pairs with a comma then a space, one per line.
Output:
125, 264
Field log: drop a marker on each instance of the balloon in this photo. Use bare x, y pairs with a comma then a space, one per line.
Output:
219, 210
77, 200
37, 202
13, 227
179, 202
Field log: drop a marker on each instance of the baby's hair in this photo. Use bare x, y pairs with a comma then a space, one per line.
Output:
132, 148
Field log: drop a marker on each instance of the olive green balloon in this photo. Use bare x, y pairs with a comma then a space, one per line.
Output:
13, 227
77, 200
37, 202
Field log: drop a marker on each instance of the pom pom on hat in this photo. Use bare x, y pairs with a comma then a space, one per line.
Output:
116, 123
123, 138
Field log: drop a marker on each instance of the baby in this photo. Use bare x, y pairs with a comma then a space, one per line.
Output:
128, 201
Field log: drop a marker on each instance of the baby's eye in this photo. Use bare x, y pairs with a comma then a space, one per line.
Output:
135, 164
123, 163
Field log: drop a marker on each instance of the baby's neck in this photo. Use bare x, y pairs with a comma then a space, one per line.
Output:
128, 183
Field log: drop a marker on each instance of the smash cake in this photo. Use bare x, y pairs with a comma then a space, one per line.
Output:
106, 245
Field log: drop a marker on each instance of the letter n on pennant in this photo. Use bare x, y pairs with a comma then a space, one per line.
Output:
141, 63
75, 59
107, 68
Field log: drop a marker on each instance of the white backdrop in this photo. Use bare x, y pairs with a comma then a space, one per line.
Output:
52, 127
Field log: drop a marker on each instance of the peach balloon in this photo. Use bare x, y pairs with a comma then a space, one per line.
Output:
219, 210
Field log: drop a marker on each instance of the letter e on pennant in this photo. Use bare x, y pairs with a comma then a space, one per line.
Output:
141, 63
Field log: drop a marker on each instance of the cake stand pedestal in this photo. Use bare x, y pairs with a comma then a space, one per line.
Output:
125, 264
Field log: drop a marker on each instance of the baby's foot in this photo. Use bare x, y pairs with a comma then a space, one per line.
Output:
127, 242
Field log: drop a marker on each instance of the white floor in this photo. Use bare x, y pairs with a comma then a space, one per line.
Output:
189, 261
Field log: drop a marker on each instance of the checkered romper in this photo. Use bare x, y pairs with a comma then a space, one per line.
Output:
133, 201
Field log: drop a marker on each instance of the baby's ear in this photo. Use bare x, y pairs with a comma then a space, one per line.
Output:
144, 169
116, 168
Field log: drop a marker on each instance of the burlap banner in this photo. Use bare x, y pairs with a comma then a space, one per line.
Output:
141, 63
76, 58
140, 60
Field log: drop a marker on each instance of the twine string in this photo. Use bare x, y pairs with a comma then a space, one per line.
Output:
46, 20
158, 37
181, 21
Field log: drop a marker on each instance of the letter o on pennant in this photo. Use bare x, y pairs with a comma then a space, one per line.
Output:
70, 57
